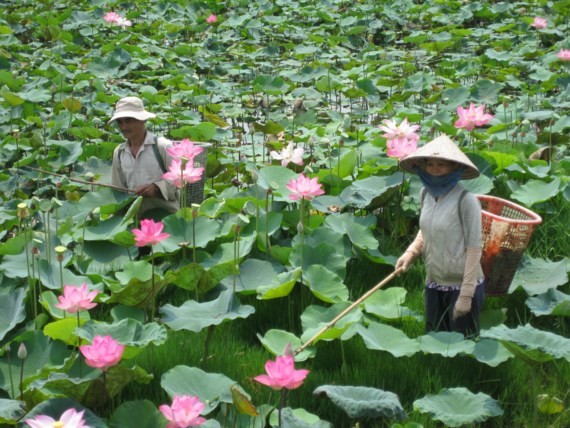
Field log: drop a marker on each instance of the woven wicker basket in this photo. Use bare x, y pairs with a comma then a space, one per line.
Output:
506, 230
195, 191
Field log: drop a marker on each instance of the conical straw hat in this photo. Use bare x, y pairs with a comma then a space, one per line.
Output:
440, 148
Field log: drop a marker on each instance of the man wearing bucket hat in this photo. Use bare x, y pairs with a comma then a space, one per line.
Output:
449, 238
140, 162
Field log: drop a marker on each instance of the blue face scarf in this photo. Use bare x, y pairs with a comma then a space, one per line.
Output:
437, 186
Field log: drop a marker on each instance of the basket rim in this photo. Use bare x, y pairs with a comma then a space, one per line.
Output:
535, 218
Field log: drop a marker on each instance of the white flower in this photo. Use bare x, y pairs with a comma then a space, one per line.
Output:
289, 154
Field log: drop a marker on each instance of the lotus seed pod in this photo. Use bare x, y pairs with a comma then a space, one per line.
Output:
23, 211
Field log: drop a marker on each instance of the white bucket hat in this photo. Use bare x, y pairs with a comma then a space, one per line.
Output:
440, 148
131, 107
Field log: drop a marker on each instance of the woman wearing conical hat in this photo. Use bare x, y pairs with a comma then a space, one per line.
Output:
449, 239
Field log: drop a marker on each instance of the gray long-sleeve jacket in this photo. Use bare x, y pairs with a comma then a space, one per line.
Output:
446, 236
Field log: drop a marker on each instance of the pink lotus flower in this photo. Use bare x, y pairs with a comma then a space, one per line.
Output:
400, 147
185, 150
211, 19
392, 131
539, 23
180, 174
472, 117
150, 233
111, 17
71, 418
118, 20
281, 374
184, 412
304, 188
103, 353
289, 154
76, 299
564, 54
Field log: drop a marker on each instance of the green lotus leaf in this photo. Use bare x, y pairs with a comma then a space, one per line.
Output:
43, 357
491, 352
69, 152
134, 334
444, 343
105, 230
342, 167
458, 406
270, 85
275, 178
205, 231
253, 274
280, 286
50, 275
330, 236
481, 185
537, 276
358, 229
553, 302
55, 407
89, 389
387, 304
383, 337
486, 92
135, 286
63, 330
315, 318
362, 402
107, 200
325, 284
535, 191
11, 411
12, 310
492, 317
368, 193
211, 388
194, 316
187, 277
298, 418
277, 341
104, 256
137, 414
323, 254
529, 343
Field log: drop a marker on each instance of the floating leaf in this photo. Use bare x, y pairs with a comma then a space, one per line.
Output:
458, 406
276, 341
12, 310
383, 337
362, 402
531, 344
553, 302
196, 316
537, 276
446, 344
137, 414
211, 388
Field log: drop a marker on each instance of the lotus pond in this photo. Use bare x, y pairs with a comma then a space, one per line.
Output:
251, 268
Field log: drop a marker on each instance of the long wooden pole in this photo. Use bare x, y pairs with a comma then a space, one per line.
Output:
76, 180
350, 308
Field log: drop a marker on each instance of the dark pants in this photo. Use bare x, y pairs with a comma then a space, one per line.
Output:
439, 311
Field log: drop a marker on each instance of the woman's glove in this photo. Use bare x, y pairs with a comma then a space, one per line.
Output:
472, 262
411, 253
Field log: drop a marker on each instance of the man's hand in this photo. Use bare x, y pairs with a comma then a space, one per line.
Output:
147, 190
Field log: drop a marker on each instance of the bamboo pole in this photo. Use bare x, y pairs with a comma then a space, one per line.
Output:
350, 308
76, 180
